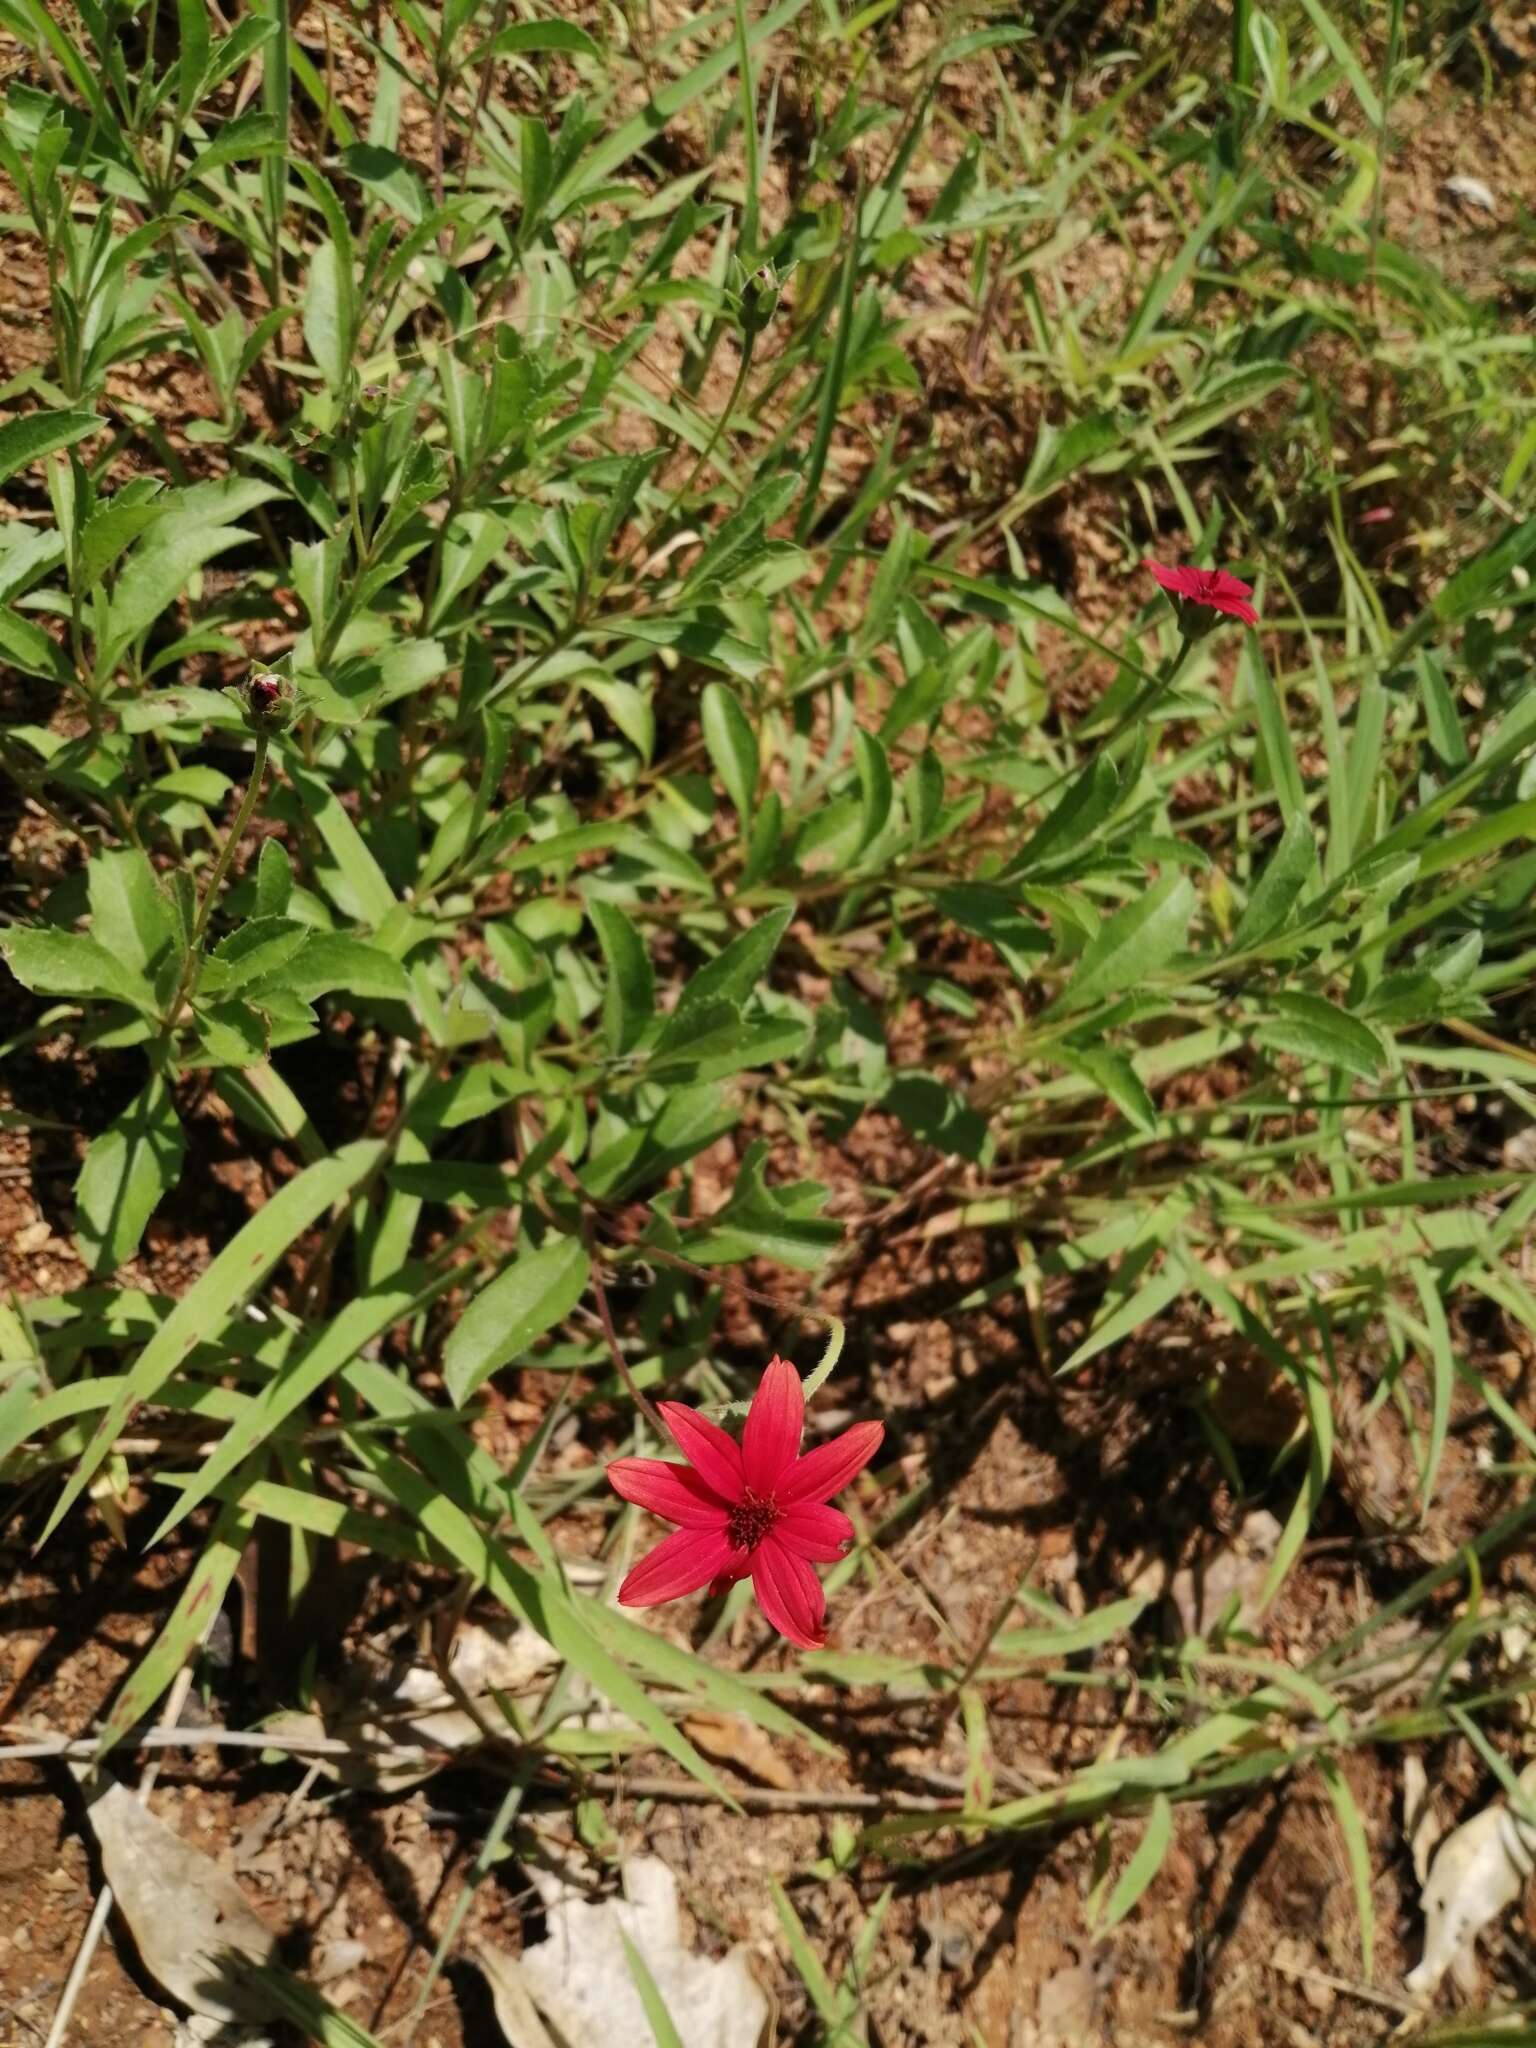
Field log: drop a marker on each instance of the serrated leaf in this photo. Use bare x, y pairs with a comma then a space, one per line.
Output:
131, 915
35, 434
54, 963
534, 1293
734, 972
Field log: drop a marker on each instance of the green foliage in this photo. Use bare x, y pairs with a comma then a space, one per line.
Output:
668, 713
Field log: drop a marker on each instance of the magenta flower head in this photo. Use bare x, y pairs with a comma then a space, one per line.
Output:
755, 1507
1217, 589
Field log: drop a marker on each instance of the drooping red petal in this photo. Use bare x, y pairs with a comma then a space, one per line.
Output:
715, 1456
1234, 608
675, 1492
790, 1594
828, 1469
820, 1533
684, 1561
771, 1439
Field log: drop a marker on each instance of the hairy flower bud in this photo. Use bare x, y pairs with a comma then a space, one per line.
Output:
270, 702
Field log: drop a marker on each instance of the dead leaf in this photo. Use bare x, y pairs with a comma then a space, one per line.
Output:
1478, 1872
401, 1731
1420, 1823
189, 1920
515, 2011
733, 1739
580, 1978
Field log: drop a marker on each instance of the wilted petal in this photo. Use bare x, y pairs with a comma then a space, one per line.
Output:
686, 1560
714, 1455
790, 1594
810, 1530
675, 1492
771, 1439
828, 1469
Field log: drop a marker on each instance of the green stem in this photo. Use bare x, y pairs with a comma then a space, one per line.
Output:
216, 883
235, 835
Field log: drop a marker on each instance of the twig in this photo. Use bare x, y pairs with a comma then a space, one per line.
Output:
1387, 2000
96, 1925
678, 1790
807, 1800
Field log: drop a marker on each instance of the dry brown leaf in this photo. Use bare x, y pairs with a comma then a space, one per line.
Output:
516, 2014
580, 1978
733, 1739
190, 1921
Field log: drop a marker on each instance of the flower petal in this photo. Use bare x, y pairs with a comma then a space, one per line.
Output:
715, 1456
771, 1439
686, 1560
1235, 608
675, 1492
819, 1533
828, 1469
790, 1594
1182, 582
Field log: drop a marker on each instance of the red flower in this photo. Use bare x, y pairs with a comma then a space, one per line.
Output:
757, 1506
1218, 588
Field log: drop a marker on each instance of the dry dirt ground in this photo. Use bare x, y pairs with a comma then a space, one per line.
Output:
1249, 1935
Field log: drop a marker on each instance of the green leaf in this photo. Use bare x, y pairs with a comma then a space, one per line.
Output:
127, 1170
370, 897
1144, 1865
185, 1626
525, 37
334, 960
192, 53
327, 313
1444, 727
598, 163
1275, 893
219, 1291
1358, 1850
767, 1223
629, 1001
659, 2020
534, 1293
35, 434
112, 527
1113, 1072
274, 879
27, 647
1133, 945
731, 976
190, 531
131, 915
54, 963
1315, 1029
732, 746
876, 786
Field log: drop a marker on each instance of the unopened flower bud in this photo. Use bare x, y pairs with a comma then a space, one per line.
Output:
270, 702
